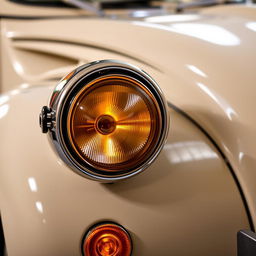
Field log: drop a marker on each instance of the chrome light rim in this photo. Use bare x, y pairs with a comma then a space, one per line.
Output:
69, 85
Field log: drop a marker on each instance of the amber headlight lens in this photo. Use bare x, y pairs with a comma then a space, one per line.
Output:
113, 123
107, 120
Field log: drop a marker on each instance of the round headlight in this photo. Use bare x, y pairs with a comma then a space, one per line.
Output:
107, 120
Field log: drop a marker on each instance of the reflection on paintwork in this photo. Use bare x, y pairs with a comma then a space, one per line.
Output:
10, 34
251, 26
172, 18
4, 107
14, 92
211, 33
139, 14
34, 188
4, 99
196, 70
32, 184
18, 67
241, 155
24, 86
230, 112
4, 110
39, 206
188, 151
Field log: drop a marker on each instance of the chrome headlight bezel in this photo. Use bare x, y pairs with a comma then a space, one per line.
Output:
58, 108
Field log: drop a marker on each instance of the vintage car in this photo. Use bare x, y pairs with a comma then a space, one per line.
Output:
146, 138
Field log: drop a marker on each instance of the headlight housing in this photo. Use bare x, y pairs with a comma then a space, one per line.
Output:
107, 120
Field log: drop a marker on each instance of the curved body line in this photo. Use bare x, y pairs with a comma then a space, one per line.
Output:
223, 157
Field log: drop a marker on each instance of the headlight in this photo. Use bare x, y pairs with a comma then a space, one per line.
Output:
107, 120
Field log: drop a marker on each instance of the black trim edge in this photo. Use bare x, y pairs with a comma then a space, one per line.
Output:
246, 243
2, 241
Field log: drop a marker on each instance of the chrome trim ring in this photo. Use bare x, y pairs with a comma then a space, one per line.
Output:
70, 85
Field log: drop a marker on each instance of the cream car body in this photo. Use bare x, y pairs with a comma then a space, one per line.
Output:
201, 189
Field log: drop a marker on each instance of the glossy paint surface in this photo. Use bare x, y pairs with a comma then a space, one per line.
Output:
204, 63
187, 194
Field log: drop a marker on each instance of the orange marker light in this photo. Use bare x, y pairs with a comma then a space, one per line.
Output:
107, 240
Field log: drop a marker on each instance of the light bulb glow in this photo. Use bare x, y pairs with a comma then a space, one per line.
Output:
113, 123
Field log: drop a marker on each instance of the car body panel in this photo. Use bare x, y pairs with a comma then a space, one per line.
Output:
51, 207
172, 58
204, 63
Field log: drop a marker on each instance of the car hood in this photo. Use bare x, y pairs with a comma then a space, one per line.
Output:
204, 63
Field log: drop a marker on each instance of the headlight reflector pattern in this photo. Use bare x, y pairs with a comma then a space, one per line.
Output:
113, 123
